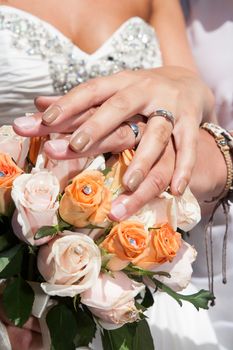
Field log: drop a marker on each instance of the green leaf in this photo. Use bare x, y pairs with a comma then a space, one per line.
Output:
138, 271
148, 299
18, 298
62, 225
10, 261
86, 328
62, 327
45, 231
106, 171
200, 299
5, 241
143, 338
93, 227
132, 336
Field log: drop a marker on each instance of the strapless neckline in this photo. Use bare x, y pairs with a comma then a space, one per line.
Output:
51, 28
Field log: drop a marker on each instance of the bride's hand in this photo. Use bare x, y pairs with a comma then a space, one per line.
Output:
26, 338
121, 96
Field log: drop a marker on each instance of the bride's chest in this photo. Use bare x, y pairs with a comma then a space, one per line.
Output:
80, 20
44, 54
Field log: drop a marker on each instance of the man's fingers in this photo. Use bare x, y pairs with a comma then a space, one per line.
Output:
156, 182
156, 136
119, 140
186, 150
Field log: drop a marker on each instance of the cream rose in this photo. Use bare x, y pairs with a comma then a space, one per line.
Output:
70, 264
180, 268
111, 299
35, 196
16, 146
182, 211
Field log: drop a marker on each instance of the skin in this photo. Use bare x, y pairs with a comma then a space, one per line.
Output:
176, 87
170, 87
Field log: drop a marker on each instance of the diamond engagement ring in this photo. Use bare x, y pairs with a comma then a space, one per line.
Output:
165, 114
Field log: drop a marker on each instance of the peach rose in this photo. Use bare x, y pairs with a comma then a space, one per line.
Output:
8, 173
118, 164
111, 299
164, 245
36, 145
126, 241
35, 196
16, 146
86, 200
70, 264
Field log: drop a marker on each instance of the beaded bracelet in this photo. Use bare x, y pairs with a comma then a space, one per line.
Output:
224, 141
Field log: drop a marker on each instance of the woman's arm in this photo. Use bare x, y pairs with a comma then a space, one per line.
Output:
168, 20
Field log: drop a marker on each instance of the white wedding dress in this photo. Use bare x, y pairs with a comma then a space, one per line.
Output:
210, 30
37, 59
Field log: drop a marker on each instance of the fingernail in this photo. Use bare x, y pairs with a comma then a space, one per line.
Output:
118, 211
182, 186
51, 114
58, 145
26, 122
135, 179
79, 141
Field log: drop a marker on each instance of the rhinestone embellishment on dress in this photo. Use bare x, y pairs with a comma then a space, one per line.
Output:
133, 46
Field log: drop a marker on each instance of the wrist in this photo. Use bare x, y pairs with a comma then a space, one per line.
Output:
210, 172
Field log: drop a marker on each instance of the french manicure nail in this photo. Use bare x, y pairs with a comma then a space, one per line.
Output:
118, 211
58, 145
51, 114
26, 122
135, 180
79, 141
182, 186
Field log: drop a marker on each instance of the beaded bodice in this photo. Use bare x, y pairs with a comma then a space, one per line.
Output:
43, 54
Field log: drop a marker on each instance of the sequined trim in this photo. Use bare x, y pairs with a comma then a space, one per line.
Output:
133, 47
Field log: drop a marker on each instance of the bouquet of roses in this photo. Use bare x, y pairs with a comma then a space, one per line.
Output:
64, 261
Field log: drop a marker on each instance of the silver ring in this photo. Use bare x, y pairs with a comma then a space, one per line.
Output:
134, 128
165, 114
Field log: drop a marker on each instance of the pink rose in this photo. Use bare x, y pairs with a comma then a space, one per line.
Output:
16, 146
64, 170
35, 197
111, 299
70, 264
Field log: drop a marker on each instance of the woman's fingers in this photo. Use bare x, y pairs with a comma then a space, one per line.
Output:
155, 183
186, 150
32, 323
24, 339
32, 125
155, 138
43, 102
119, 140
81, 98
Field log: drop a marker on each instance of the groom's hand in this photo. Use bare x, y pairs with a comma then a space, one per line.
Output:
157, 181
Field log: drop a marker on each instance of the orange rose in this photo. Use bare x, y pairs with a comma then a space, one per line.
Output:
86, 200
8, 172
127, 240
119, 165
36, 144
164, 244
